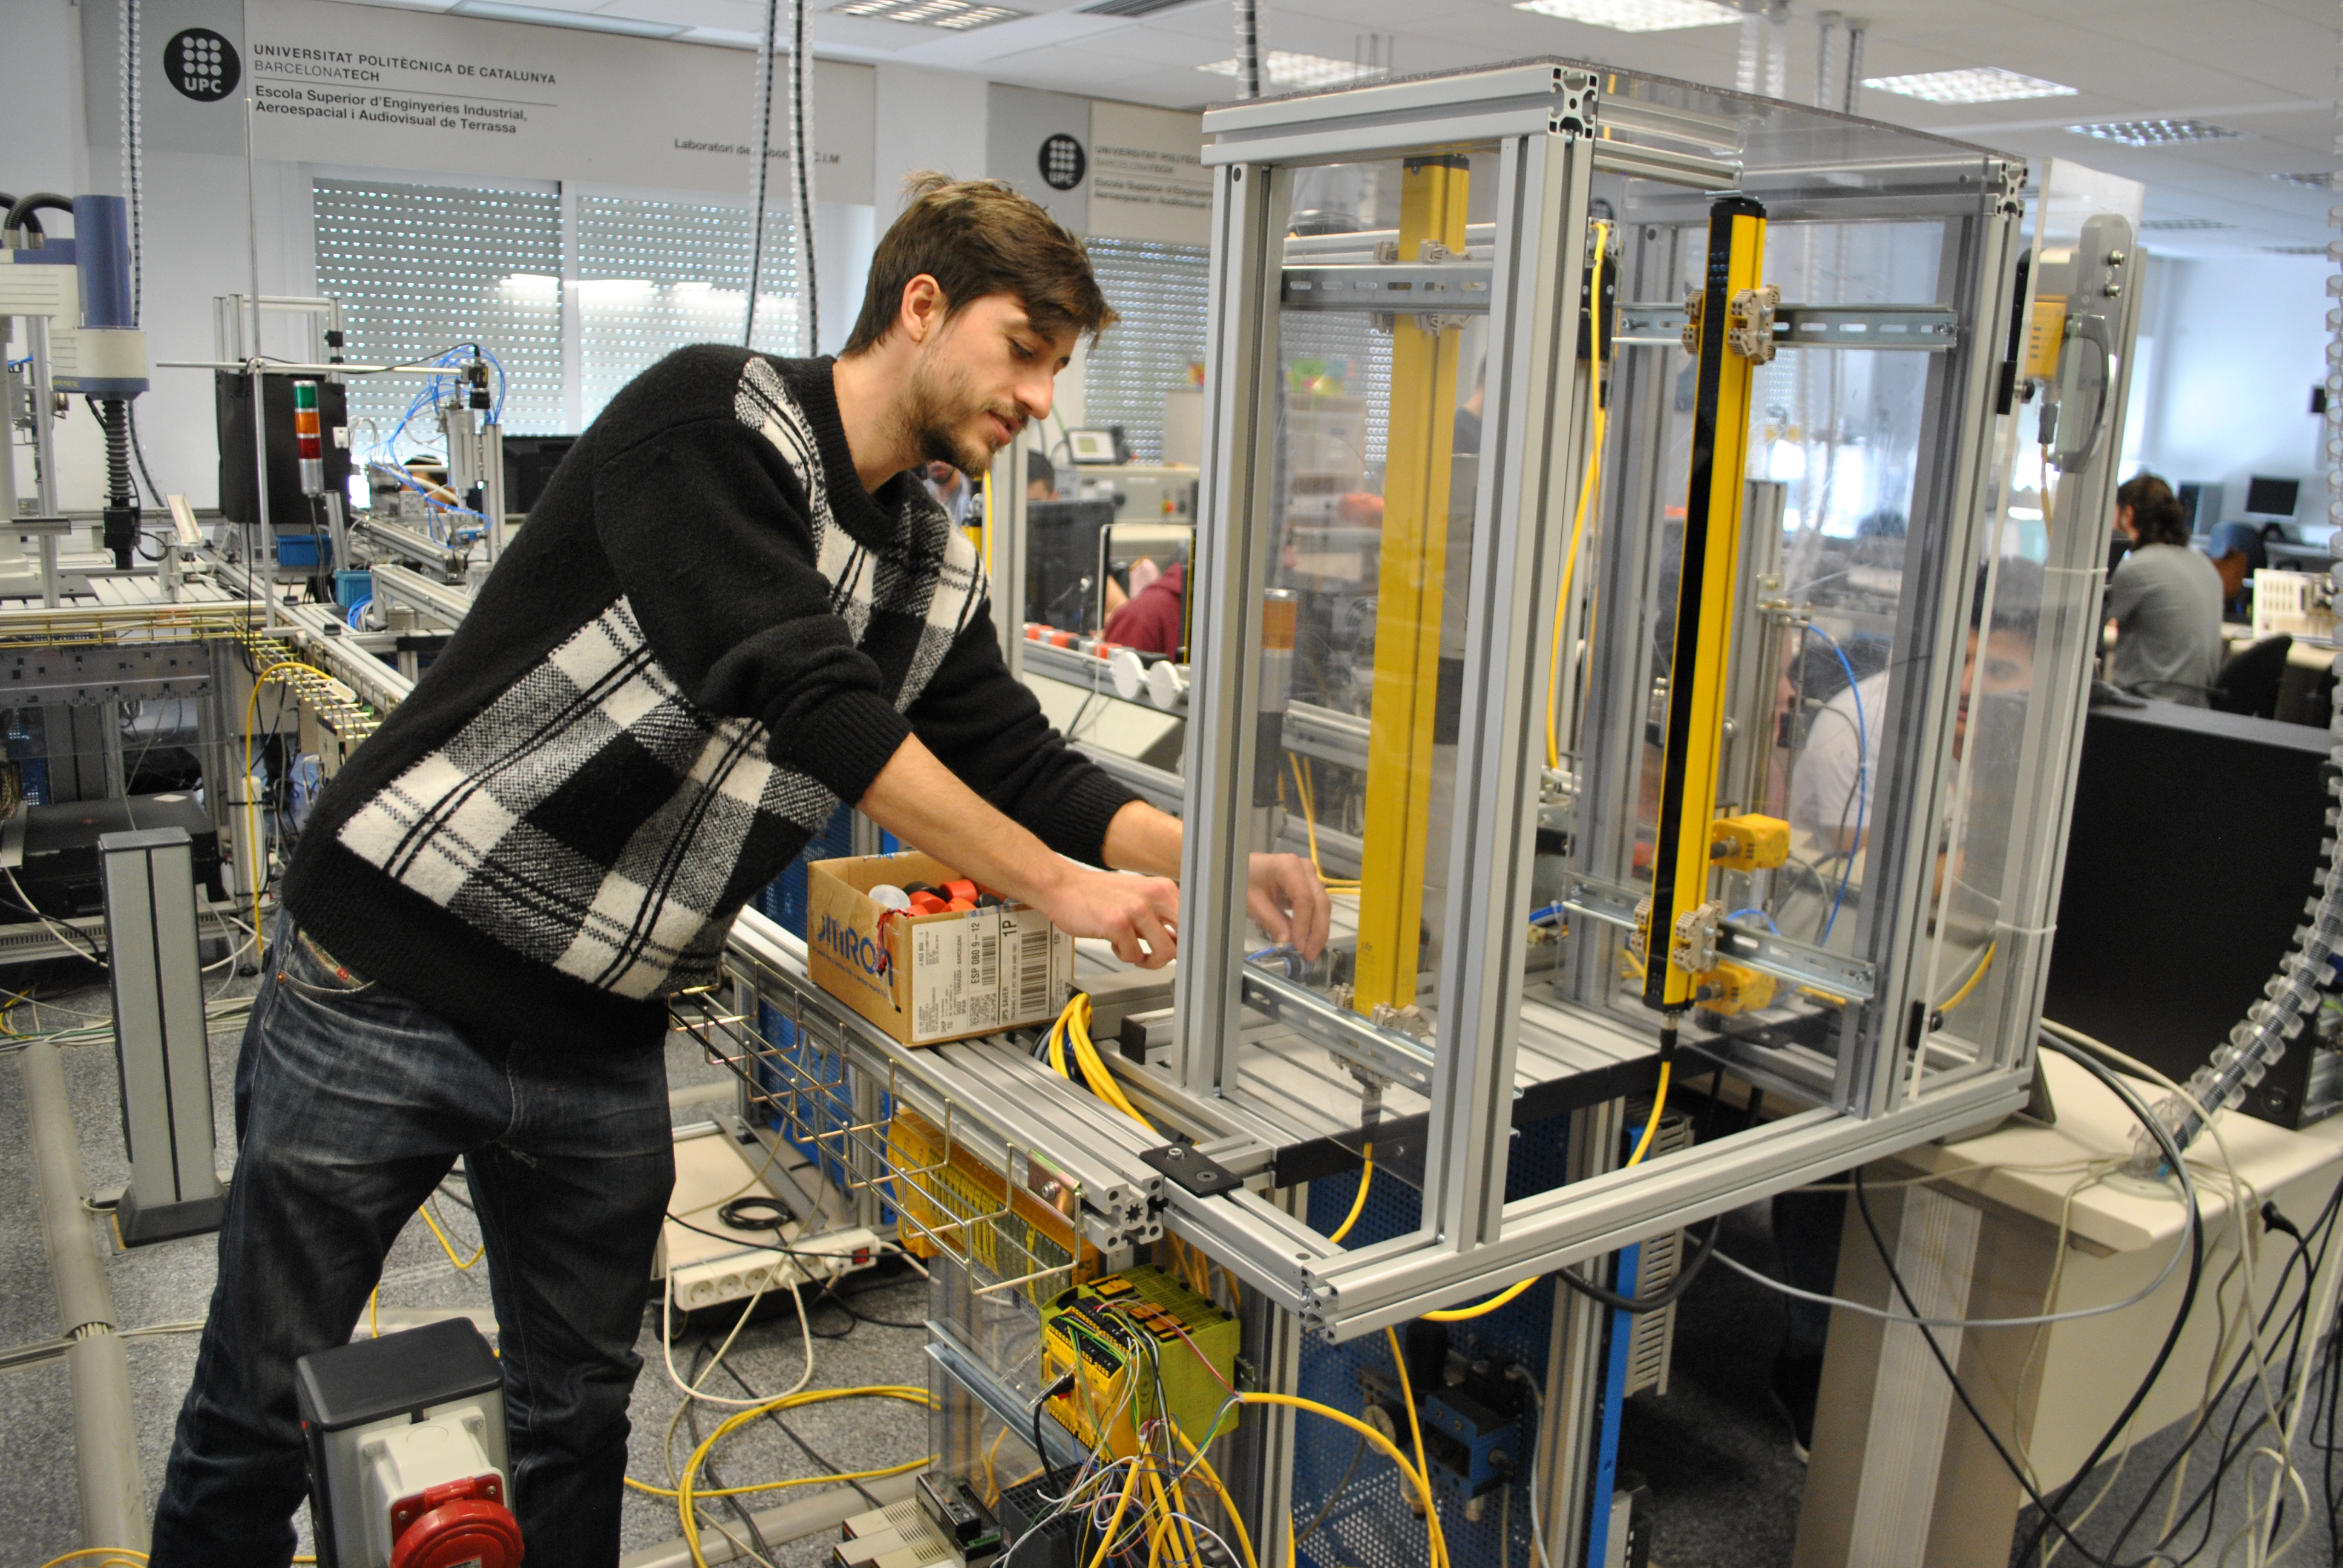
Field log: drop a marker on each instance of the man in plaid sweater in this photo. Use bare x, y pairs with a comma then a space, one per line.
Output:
735, 607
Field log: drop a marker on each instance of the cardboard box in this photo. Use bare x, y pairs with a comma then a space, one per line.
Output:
928, 978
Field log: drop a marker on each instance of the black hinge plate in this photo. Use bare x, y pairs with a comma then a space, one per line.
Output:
1193, 1170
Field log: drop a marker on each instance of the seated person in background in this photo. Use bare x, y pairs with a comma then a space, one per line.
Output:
954, 492
2237, 553
1151, 620
1837, 775
2165, 600
1040, 477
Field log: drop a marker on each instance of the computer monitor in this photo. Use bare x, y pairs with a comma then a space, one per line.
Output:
2200, 503
529, 463
2269, 498
1061, 553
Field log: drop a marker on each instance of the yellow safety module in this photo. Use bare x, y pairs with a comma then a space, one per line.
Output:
1134, 1336
1730, 989
1749, 842
1409, 589
1732, 331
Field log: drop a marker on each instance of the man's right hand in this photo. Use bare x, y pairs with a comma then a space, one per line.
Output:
1139, 915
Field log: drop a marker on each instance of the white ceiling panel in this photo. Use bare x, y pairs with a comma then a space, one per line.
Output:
2251, 65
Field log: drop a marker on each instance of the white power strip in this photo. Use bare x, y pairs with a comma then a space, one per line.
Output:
738, 1275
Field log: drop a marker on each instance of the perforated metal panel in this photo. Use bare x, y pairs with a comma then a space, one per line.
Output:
655, 276
420, 268
1370, 1524
1160, 292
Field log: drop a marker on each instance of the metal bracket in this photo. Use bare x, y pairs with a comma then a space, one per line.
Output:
1199, 1174
1449, 287
1394, 1057
1929, 328
1797, 963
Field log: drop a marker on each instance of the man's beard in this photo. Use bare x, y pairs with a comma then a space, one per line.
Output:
935, 410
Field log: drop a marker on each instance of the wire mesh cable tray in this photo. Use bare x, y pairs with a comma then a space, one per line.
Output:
954, 1185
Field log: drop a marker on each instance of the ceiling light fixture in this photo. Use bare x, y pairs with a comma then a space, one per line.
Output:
2157, 133
2297, 250
954, 16
1974, 85
2187, 224
2316, 179
1287, 69
543, 16
1635, 15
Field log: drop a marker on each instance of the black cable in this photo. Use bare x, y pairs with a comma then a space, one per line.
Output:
1675, 1288
2008, 1461
707, 1464
1041, 1454
761, 152
840, 1300
2233, 1443
801, 170
2163, 1136
2229, 1439
1667, 1295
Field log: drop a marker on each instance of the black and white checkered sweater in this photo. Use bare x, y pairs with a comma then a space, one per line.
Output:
706, 636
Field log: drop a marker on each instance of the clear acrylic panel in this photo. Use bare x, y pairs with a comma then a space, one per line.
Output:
1374, 474
1837, 440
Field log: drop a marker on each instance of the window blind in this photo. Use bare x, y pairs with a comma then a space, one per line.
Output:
1158, 290
419, 268
655, 276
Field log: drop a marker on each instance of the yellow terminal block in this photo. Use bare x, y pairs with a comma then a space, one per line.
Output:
1729, 989
1748, 842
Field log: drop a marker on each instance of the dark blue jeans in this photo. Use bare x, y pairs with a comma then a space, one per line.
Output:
351, 1105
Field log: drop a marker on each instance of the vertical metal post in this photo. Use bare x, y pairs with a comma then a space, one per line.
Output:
1260, 1472
1508, 588
492, 486
1410, 593
1567, 1438
106, 1440
211, 739
1235, 528
45, 421
109, 748
159, 1041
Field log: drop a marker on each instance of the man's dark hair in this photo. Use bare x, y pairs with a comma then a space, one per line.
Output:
977, 238
2156, 512
2016, 596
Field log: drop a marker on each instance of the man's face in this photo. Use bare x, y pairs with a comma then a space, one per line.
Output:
1998, 663
979, 376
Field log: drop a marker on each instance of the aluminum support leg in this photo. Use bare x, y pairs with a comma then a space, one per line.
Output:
105, 1445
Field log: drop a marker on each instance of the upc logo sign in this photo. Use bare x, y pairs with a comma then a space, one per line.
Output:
850, 946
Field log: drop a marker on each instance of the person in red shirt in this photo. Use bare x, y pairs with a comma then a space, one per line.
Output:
1151, 620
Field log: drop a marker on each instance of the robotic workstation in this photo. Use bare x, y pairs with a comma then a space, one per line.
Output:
1540, 683
1489, 616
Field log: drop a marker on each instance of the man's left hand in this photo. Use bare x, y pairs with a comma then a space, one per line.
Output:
1287, 900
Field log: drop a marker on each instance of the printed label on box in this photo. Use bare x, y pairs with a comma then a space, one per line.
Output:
992, 969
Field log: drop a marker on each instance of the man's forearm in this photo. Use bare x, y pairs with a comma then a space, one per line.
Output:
1143, 840
924, 803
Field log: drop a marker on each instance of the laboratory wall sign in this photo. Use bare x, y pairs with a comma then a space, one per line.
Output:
202, 64
360, 85
1062, 162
